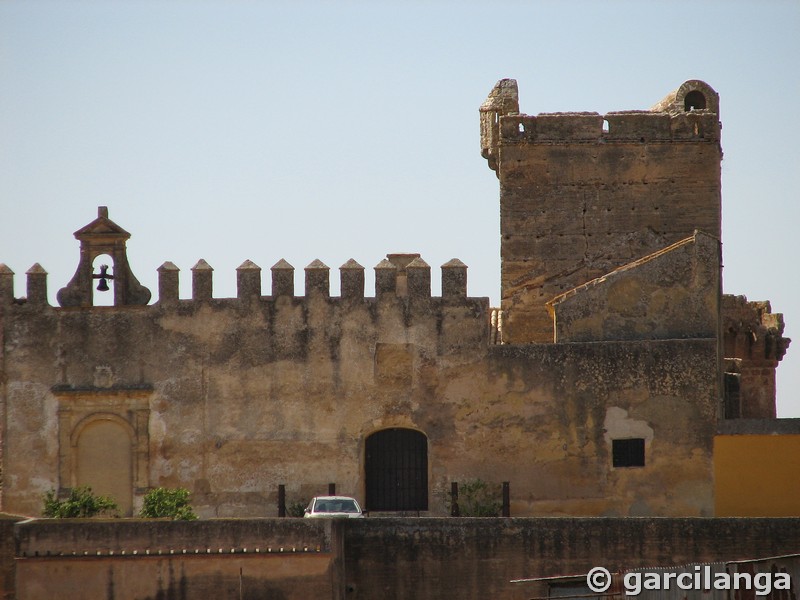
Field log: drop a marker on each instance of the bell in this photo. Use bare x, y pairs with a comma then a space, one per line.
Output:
103, 277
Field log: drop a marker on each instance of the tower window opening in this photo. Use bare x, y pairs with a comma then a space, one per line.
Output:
694, 100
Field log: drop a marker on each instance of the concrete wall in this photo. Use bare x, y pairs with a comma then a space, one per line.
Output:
756, 462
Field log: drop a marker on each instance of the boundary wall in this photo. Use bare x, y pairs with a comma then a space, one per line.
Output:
364, 558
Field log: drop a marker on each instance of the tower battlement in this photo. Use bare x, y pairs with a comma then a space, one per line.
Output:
690, 113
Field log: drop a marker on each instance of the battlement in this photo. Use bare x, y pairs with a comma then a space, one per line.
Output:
623, 126
412, 281
689, 114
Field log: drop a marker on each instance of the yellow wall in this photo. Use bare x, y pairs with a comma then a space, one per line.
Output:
757, 475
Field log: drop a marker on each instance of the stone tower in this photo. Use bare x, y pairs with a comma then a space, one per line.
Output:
582, 194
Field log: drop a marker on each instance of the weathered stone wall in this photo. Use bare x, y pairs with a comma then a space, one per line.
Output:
673, 293
148, 560
433, 558
425, 559
582, 194
7, 554
230, 398
753, 346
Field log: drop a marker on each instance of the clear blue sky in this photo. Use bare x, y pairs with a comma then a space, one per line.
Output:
231, 130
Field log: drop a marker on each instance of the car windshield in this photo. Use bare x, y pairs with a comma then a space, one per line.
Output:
336, 506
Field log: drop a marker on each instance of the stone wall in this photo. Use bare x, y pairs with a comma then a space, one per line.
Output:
582, 194
674, 293
477, 558
150, 560
753, 345
7, 554
365, 558
232, 397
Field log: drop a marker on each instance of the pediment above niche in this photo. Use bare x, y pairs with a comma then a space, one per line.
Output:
102, 225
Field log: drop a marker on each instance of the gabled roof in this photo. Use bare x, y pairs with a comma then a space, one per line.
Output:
102, 225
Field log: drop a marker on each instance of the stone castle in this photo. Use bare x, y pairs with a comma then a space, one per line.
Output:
597, 388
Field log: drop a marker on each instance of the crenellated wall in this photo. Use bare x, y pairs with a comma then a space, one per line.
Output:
230, 397
607, 406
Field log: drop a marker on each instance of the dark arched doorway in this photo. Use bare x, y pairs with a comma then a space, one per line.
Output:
396, 465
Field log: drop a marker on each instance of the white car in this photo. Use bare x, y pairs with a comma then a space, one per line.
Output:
333, 506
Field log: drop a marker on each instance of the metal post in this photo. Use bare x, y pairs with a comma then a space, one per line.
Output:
454, 511
281, 500
506, 499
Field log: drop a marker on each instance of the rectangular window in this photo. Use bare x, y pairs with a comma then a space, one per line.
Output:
628, 453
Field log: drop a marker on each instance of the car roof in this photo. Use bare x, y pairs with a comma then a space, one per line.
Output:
333, 498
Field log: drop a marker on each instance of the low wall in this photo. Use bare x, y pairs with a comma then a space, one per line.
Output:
284, 559
477, 558
419, 558
7, 545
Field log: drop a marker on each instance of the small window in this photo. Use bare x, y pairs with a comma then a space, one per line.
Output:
628, 453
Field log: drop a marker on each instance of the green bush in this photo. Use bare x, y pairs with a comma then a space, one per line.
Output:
297, 509
164, 503
81, 504
476, 498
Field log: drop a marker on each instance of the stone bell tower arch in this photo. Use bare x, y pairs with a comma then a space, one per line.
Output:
103, 236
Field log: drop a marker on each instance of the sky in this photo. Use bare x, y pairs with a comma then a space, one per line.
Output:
232, 130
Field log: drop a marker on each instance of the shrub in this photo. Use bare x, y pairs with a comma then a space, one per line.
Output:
164, 503
476, 498
297, 509
81, 503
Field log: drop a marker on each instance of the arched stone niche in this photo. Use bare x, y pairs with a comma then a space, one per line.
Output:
104, 442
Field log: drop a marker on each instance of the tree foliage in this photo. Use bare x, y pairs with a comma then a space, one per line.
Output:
81, 503
476, 498
165, 503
